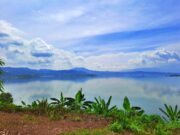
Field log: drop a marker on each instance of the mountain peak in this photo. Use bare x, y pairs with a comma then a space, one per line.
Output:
80, 69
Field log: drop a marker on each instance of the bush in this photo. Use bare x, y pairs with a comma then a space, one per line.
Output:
137, 127
6, 98
9, 107
116, 127
161, 130
37, 107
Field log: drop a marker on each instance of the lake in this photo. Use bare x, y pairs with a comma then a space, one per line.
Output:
149, 93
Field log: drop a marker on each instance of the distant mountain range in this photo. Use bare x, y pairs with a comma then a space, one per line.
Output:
26, 73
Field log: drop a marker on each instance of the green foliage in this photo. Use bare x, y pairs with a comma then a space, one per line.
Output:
61, 102
88, 132
6, 98
131, 110
79, 102
173, 125
133, 119
172, 114
136, 127
151, 121
37, 107
101, 107
1, 86
161, 129
1, 82
9, 107
116, 127
126, 104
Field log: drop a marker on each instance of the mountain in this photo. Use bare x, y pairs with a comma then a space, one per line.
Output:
76, 73
42, 73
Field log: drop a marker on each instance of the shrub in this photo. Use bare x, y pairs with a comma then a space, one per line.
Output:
116, 127
37, 107
161, 129
136, 127
9, 107
6, 98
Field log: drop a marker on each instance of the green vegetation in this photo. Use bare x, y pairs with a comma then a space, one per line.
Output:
135, 120
38, 107
116, 127
61, 102
79, 102
6, 99
171, 114
88, 132
1, 82
129, 118
101, 107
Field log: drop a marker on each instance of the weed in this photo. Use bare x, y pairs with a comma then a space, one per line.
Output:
170, 113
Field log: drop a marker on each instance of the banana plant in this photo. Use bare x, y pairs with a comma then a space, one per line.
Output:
61, 102
79, 102
131, 110
172, 114
100, 106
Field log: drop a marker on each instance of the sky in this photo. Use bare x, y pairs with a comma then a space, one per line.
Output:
107, 35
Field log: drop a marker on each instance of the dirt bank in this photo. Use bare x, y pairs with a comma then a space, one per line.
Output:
27, 124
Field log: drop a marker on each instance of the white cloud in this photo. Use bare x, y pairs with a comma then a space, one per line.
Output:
35, 53
134, 60
17, 51
155, 58
6, 28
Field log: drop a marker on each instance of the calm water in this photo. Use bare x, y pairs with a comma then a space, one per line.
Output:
146, 92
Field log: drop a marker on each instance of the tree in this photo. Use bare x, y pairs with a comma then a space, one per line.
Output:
1, 82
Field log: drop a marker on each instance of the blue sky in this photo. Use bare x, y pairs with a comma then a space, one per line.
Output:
95, 34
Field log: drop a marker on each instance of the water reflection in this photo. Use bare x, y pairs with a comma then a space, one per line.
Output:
146, 92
